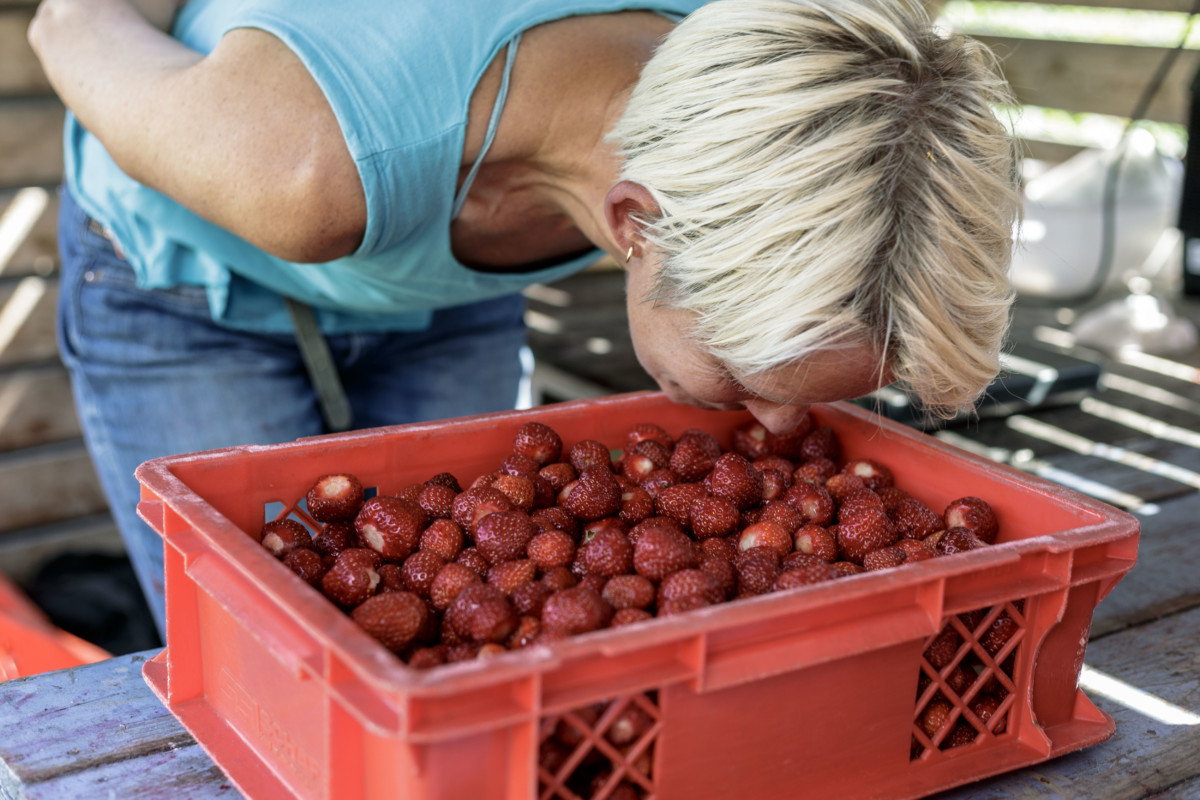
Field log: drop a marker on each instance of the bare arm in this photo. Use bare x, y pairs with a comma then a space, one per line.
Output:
243, 136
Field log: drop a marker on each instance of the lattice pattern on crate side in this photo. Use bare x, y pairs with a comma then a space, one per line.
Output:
601, 751
967, 686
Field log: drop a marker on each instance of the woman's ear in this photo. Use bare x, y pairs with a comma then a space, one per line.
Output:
625, 206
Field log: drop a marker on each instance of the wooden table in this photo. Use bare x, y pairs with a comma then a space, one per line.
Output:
97, 731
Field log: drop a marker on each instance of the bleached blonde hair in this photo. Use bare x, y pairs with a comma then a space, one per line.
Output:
830, 171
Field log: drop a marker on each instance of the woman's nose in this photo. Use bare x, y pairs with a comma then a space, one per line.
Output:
776, 418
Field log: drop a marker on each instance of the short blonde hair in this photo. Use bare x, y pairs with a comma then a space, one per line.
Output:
830, 171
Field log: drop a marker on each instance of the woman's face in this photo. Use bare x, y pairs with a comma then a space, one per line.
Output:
778, 398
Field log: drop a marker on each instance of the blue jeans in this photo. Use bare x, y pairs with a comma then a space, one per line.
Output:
153, 375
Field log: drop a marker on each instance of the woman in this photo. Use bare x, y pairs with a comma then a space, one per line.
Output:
812, 198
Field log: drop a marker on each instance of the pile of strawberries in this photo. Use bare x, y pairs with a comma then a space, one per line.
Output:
560, 541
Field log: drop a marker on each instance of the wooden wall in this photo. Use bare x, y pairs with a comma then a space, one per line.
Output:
49, 496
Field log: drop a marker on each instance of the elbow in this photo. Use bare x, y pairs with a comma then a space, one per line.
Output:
311, 227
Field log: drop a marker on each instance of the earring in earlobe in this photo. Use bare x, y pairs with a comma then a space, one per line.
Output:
629, 254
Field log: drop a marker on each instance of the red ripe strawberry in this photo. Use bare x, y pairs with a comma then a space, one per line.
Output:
428, 657
914, 519
842, 484
766, 534
462, 651
476, 503
974, 514
961, 734
793, 560
690, 583
449, 581
519, 464
873, 474
884, 558
723, 549
628, 591
306, 563
777, 463
519, 490
859, 497
865, 530
703, 439
444, 537
757, 569
935, 716
916, 550
712, 516
334, 537
588, 453
352, 578
558, 578
775, 484
334, 498
815, 540
282, 536
998, 633
822, 442
722, 571
410, 493
556, 518
529, 627
391, 578
393, 618
986, 706
847, 567
790, 445
656, 523
604, 524
445, 479
648, 431
668, 608
552, 548
437, 500
629, 616
659, 551
558, 475
528, 598
814, 470
956, 540
636, 466
814, 502
482, 613
538, 441
594, 495
806, 575
575, 610
608, 553
782, 514
593, 582
734, 478
508, 575
483, 480
504, 535
420, 569
691, 461
891, 497
749, 440
390, 526
636, 505
676, 501
658, 480
942, 648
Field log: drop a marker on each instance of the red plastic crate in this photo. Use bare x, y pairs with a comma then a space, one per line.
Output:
810, 692
31, 644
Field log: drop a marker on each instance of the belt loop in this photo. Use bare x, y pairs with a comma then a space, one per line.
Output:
335, 408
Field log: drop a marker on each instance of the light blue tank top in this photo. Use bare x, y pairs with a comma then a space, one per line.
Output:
399, 77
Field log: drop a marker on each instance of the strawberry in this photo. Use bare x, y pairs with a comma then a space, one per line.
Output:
712, 516
757, 569
410, 493
391, 577
528, 598
628, 591
471, 558
816, 540
483, 480
590, 453
334, 537
766, 534
998, 633
282, 536
775, 462
961, 734
636, 505
462, 651
691, 461
630, 725
629, 616
558, 475
529, 628
822, 442
884, 558
847, 567
575, 610
520, 464
804, 576
482, 613
519, 489
552, 548
775, 483
307, 563
419, 570
390, 526
790, 445
448, 582
445, 479
609, 552
974, 514
593, 582
676, 501
557, 519
476, 503
702, 439
956, 540
557, 578
722, 571
842, 484
593, 495
814, 470
538, 441
916, 550
508, 575
680, 605
986, 706
722, 548
437, 500
690, 583
942, 648
352, 578
648, 431
734, 478
873, 474
504, 535
865, 530
749, 440
394, 618
647, 456
793, 560
334, 498
935, 716
658, 551
428, 657
444, 537
658, 480
913, 519
814, 502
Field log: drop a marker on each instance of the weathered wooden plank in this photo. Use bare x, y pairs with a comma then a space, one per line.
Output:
98, 733
27, 332
1146, 754
47, 484
20, 71
29, 219
1100, 78
36, 407
31, 141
